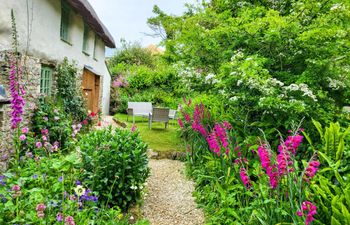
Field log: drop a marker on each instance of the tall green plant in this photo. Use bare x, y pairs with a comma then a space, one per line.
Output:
332, 192
115, 165
68, 90
334, 151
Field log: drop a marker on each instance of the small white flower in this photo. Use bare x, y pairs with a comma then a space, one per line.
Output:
79, 190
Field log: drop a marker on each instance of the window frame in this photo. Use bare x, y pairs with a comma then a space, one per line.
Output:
86, 39
95, 47
46, 80
65, 21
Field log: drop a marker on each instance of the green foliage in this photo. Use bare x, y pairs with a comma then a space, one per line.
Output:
272, 62
333, 202
334, 151
140, 75
69, 92
51, 181
130, 54
115, 165
332, 192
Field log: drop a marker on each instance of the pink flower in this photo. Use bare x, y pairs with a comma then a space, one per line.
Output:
244, 177
264, 156
271, 170
22, 137
187, 103
44, 138
59, 217
133, 128
216, 139
25, 130
213, 143
17, 92
187, 117
17, 191
227, 125
308, 209
16, 188
284, 163
40, 207
311, 170
292, 143
181, 124
69, 220
38, 144
286, 151
199, 128
44, 131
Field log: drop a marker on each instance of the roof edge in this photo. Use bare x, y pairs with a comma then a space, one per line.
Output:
84, 8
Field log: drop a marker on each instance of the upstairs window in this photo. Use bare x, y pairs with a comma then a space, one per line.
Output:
95, 48
64, 21
46, 80
86, 39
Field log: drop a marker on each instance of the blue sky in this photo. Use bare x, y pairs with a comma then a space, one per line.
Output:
128, 18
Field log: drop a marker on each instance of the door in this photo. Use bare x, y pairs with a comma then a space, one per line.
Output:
91, 90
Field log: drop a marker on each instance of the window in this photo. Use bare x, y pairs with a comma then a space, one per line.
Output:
95, 47
64, 21
46, 80
86, 38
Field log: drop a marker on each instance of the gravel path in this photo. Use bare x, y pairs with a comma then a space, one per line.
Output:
169, 198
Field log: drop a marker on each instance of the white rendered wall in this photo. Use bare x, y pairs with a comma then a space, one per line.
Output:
44, 36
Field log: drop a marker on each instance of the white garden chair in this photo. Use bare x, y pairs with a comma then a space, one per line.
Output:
142, 109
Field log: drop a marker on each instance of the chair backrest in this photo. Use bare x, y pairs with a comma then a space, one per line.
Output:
140, 107
172, 113
160, 114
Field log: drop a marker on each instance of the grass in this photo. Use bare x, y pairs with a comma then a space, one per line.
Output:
158, 138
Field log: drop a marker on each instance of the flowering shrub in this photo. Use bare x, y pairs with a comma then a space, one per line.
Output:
50, 122
115, 165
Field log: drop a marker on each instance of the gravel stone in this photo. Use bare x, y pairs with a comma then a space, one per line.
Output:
169, 199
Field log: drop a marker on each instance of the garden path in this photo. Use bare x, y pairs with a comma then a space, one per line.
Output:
106, 121
169, 199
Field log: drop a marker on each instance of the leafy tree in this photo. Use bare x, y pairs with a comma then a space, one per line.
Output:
258, 42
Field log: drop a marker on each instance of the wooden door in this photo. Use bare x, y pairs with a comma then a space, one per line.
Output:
91, 90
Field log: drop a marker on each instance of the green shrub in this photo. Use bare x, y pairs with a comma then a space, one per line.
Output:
69, 92
115, 165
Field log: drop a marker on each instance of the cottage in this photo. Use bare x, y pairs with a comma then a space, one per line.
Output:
49, 31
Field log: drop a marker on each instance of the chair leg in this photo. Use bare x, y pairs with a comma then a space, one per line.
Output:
166, 125
149, 124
